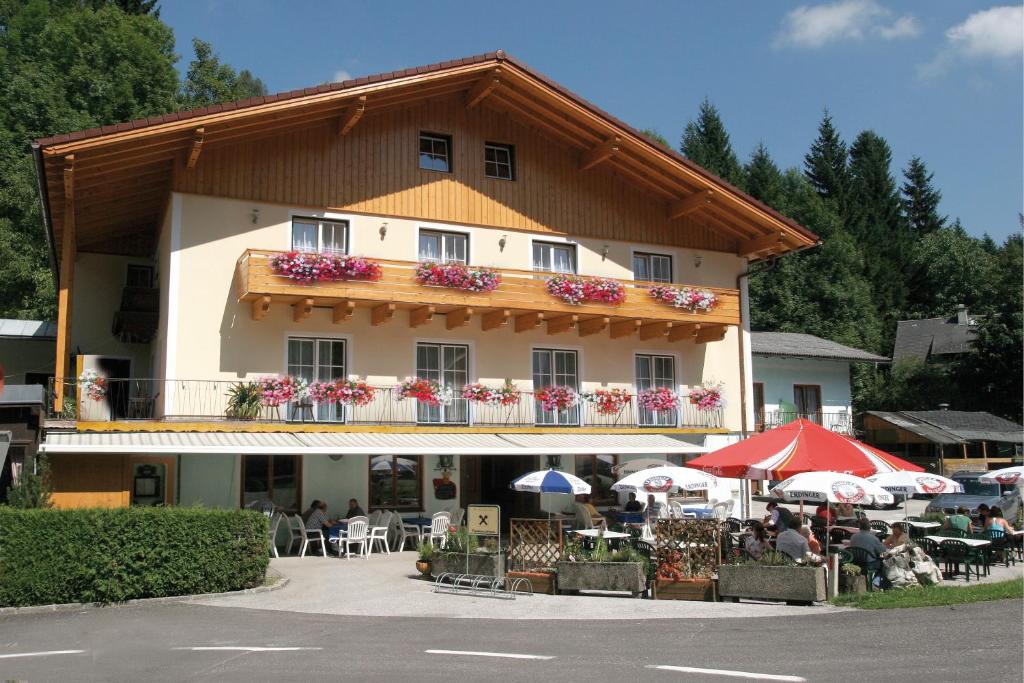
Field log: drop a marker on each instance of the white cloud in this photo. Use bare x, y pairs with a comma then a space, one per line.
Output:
995, 35
814, 26
341, 75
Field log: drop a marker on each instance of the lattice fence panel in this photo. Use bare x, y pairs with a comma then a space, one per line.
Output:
534, 544
687, 548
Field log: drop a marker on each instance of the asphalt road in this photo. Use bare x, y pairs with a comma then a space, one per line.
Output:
166, 642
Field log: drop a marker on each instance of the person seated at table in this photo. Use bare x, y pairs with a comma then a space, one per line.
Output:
846, 511
353, 509
896, 537
779, 518
825, 514
317, 519
757, 542
866, 540
654, 509
812, 542
792, 543
633, 505
996, 521
595, 517
959, 521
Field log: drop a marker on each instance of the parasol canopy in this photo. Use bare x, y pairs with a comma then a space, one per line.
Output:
909, 483
551, 481
800, 446
832, 487
666, 480
1007, 475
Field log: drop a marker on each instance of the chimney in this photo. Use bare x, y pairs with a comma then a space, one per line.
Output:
943, 406
961, 315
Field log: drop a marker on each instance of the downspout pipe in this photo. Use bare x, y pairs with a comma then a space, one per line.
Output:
44, 201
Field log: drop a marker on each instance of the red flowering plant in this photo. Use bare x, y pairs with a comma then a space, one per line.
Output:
457, 276
692, 299
92, 385
557, 398
505, 395
708, 397
281, 390
343, 391
425, 390
309, 267
608, 401
658, 399
575, 290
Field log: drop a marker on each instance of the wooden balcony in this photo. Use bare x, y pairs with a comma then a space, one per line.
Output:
521, 303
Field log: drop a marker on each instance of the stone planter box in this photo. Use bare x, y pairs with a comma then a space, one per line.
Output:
853, 584
491, 564
602, 576
685, 589
542, 583
760, 582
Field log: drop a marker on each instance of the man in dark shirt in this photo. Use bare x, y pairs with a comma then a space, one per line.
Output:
633, 505
866, 540
354, 510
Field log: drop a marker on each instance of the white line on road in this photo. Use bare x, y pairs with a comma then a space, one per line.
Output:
507, 655
244, 648
46, 653
727, 672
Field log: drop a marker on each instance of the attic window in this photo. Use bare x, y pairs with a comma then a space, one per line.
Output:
499, 161
436, 152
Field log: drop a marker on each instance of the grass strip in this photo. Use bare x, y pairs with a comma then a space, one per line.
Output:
933, 596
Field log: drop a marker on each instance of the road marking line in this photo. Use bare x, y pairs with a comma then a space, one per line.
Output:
727, 672
507, 655
46, 653
245, 648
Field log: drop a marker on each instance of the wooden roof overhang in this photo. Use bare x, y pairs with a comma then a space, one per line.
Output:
117, 179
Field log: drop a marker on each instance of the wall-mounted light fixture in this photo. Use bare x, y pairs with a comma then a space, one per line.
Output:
697, 260
604, 252
502, 241
383, 230
255, 216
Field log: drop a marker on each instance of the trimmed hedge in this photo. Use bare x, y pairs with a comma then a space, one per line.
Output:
111, 555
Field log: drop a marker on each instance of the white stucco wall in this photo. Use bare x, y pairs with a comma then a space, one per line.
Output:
780, 374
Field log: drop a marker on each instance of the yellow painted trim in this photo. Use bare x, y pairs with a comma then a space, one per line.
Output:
257, 427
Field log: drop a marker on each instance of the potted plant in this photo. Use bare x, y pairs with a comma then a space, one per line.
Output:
542, 580
245, 400
426, 555
464, 554
772, 577
601, 569
851, 580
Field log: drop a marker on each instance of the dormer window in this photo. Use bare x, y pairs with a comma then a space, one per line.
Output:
316, 235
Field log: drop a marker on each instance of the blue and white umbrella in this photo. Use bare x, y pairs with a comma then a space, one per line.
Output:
551, 481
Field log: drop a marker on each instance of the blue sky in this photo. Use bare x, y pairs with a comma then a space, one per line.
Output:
939, 79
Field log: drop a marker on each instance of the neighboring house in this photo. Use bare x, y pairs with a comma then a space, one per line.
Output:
803, 376
946, 441
21, 417
27, 351
479, 162
935, 339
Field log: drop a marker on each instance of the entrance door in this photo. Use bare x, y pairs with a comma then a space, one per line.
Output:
118, 392
486, 479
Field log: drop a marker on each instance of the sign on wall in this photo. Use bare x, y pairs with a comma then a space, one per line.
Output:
483, 520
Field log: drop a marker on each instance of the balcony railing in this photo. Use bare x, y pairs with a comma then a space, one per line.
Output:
209, 400
836, 420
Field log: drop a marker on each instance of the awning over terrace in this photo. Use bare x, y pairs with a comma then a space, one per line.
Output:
355, 443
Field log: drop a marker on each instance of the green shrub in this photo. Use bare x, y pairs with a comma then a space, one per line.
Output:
111, 555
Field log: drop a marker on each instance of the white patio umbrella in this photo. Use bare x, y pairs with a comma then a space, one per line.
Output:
551, 481
909, 483
401, 464
1007, 475
666, 480
832, 487
624, 468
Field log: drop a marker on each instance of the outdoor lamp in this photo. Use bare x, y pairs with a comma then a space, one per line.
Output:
383, 230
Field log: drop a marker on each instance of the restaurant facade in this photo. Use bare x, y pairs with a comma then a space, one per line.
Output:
406, 289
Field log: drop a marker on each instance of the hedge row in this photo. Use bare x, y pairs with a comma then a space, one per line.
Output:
111, 555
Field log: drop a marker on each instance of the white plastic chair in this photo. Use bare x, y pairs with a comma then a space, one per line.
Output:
373, 518
456, 516
675, 509
410, 531
356, 535
275, 524
379, 532
723, 510
439, 523
294, 525
311, 536
646, 534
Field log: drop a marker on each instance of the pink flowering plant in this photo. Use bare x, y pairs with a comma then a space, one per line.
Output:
557, 398
310, 267
457, 276
505, 395
425, 390
576, 290
342, 391
689, 298
92, 385
608, 401
281, 390
708, 397
658, 399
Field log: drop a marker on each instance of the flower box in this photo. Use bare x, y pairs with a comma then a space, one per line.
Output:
457, 276
602, 576
686, 589
479, 564
793, 584
542, 583
856, 584
577, 290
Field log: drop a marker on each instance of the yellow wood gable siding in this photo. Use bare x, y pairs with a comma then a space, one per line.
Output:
375, 169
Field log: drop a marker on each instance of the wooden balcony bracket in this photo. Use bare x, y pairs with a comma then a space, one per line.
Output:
458, 317
382, 314
711, 333
592, 326
683, 331
343, 311
654, 330
529, 321
353, 112
562, 323
421, 316
302, 310
624, 328
260, 307
492, 320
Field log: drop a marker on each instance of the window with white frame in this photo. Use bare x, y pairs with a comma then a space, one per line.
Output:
436, 152
314, 234
555, 368
499, 161
443, 247
655, 372
317, 360
554, 257
448, 365
652, 267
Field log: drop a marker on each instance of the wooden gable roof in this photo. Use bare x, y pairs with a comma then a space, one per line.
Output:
118, 178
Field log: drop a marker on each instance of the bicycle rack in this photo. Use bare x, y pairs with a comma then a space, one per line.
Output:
501, 587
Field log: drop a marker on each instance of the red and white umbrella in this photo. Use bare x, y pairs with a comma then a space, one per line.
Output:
1007, 475
832, 487
666, 480
909, 483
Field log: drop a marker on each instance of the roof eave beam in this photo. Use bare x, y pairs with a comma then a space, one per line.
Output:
759, 245
197, 147
606, 150
483, 88
689, 204
353, 112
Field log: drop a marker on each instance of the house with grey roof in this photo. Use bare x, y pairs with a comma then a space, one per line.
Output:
28, 349
946, 441
799, 375
935, 339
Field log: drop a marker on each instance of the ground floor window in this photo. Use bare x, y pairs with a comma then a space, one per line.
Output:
597, 471
272, 478
396, 482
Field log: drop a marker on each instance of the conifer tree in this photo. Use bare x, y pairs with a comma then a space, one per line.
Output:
706, 143
763, 180
826, 165
920, 199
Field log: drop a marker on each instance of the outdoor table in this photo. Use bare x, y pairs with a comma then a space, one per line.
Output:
594, 533
418, 521
338, 531
628, 517
851, 529
700, 511
973, 542
925, 525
